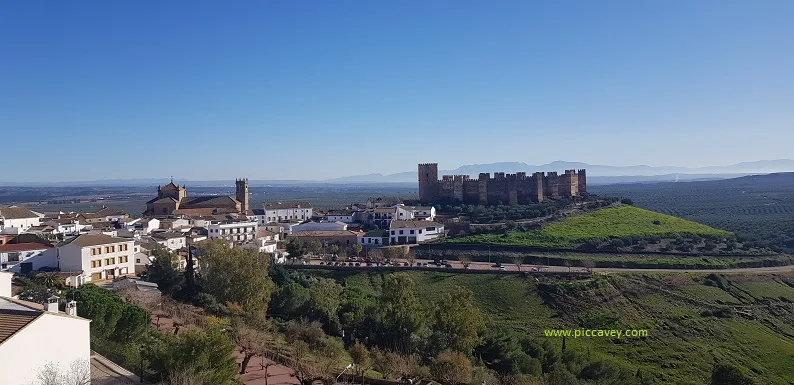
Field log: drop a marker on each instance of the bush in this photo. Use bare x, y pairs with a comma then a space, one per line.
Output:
209, 303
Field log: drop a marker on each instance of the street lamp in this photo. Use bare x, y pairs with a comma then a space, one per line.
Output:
343, 372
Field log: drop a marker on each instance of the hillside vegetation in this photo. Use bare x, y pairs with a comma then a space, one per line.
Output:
618, 222
759, 208
694, 321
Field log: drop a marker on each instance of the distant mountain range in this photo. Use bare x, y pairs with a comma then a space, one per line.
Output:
601, 174
596, 174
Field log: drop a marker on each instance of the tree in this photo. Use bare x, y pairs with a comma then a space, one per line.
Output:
325, 298
110, 315
383, 362
361, 357
357, 249
333, 249
724, 374
465, 260
376, 255
560, 376
235, 275
518, 261
457, 322
36, 292
296, 249
311, 365
314, 247
410, 257
248, 340
50, 280
451, 368
401, 311
209, 353
163, 272
79, 373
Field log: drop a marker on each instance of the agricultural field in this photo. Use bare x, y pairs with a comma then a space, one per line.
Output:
693, 320
759, 208
613, 222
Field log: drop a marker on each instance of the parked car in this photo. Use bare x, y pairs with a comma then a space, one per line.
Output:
358, 264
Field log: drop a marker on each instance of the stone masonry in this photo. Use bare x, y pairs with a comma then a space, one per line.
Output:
501, 188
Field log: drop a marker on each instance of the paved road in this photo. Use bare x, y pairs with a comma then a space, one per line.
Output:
541, 268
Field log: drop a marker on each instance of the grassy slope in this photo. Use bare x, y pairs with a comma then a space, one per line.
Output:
683, 345
620, 221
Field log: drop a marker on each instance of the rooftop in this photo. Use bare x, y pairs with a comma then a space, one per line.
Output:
325, 233
10, 247
16, 212
287, 205
86, 240
413, 224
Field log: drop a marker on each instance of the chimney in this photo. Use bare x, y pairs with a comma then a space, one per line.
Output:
51, 306
71, 308
5, 284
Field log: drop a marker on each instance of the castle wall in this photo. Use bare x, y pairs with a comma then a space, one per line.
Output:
551, 185
506, 189
483, 188
471, 191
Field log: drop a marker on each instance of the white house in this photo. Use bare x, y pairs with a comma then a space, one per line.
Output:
233, 230
265, 242
319, 226
27, 327
64, 225
147, 225
173, 223
283, 228
413, 232
374, 238
172, 240
340, 216
26, 257
17, 219
284, 211
424, 213
99, 256
105, 214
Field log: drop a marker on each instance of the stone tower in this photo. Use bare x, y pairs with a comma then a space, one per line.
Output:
242, 194
428, 182
582, 182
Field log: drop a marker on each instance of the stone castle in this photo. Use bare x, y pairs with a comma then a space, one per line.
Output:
507, 189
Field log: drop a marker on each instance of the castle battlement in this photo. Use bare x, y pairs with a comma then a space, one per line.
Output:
499, 187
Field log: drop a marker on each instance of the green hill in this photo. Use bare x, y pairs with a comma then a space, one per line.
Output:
693, 320
614, 222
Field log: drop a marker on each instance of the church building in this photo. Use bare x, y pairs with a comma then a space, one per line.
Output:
172, 199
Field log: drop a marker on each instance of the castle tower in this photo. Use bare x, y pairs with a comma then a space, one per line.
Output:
582, 182
242, 194
428, 182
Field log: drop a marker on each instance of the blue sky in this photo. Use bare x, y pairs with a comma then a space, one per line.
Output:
321, 89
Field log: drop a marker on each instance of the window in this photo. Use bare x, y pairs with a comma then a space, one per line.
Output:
431, 229
401, 232
110, 261
96, 263
411, 232
376, 241
420, 231
137, 260
392, 232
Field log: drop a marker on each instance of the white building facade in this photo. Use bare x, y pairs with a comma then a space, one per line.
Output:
98, 256
18, 219
27, 257
233, 231
413, 232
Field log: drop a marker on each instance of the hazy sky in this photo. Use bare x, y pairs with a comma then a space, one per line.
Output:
320, 89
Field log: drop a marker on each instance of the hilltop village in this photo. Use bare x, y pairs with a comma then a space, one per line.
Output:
120, 244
